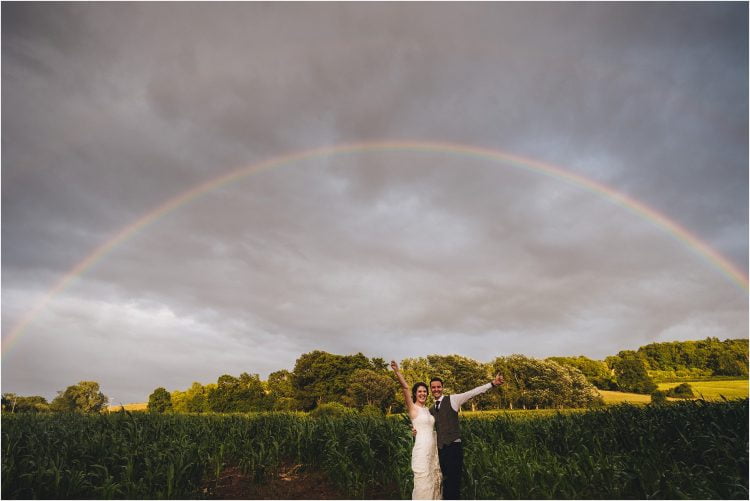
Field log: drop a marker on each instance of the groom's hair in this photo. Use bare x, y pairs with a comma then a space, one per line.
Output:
436, 379
414, 390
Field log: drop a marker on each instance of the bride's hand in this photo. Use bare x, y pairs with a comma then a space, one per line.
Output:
394, 365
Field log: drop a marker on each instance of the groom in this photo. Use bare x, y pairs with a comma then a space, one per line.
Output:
450, 450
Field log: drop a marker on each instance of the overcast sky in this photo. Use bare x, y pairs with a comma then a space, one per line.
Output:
110, 109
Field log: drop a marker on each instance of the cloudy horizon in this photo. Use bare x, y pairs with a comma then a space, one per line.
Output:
112, 109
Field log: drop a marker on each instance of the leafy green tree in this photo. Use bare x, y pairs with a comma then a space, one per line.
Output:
631, 373
532, 383
281, 391
82, 397
242, 394
280, 383
727, 358
324, 377
726, 363
368, 387
194, 399
9, 402
222, 399
418, 370
34, 403
197, 397
582, 392
379, 364
17, 403
179, 403
596, 371
160, 401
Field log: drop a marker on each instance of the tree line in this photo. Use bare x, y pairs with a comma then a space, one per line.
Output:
82, 397
356, 381
363, 383
708, 357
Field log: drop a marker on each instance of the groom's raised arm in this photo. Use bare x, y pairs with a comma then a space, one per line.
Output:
458, 399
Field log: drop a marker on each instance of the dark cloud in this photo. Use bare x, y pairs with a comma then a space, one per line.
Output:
112, 109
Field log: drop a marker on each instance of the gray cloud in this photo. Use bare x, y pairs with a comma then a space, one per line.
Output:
111, 109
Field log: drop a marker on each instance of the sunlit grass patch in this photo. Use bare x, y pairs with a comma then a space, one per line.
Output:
713, 390
619, 397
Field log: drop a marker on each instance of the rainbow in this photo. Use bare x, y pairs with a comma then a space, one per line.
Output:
639, 209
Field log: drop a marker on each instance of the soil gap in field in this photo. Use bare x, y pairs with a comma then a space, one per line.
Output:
293, 481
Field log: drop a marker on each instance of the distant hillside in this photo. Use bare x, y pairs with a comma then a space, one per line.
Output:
709, 357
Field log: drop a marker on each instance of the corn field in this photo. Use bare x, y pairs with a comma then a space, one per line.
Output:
683, 450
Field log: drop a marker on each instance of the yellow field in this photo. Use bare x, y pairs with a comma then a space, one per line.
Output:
709, 390
618, 397
128, 407
713, 390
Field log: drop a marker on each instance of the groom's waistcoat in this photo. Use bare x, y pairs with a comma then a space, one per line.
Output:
446, 423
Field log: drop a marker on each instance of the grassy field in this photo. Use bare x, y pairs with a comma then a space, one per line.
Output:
714, 390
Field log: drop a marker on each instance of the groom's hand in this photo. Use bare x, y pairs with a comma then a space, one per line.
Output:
413, 432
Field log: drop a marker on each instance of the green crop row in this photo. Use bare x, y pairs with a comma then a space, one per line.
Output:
684, 450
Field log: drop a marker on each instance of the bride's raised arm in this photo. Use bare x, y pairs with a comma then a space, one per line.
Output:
410, 407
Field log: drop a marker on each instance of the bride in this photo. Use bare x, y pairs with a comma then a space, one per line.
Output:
424, 457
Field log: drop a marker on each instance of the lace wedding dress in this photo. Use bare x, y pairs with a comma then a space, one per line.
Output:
424, 458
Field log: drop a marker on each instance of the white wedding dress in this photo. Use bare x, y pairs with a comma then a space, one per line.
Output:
424, 458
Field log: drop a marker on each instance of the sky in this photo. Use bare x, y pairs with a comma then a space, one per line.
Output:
109, 110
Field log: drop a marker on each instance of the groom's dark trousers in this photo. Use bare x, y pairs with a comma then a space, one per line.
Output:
452, 465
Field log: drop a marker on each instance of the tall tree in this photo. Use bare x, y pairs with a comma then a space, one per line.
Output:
418, 370
242, 394
370, 387
531, 383
194, 399
17, 403
631, 373
9, 402
379, 364
82, 397
596, 371
281, 391
160, 401
320, 376
179, 401
280, 383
